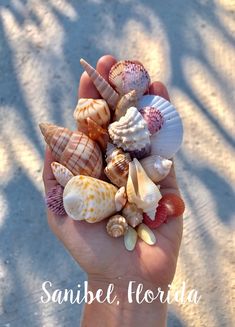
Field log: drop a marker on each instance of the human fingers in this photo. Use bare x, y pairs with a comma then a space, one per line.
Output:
158, 88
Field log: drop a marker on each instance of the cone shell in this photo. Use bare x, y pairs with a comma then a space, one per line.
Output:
153, 118
133, 215
167, 141
127, 100
117, 226
104, 88
141, 190
130, 239
61, 173
54, 200
90, 199
96, 109
97, 133
74, 150
156, 167
131, 133
127, 75
117, 169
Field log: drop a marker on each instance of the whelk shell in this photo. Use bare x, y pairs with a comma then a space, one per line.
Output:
97, 133
145, 233
117, 169
141, 190
126, 101
120, 198
103, 87
130, 238
90, 199
54, 200
156, 167
131, 133
127, 75
74, 150
153, 118
61, 173
133, 215
167, 141
116, 226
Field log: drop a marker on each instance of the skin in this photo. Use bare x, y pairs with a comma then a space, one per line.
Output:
105, 259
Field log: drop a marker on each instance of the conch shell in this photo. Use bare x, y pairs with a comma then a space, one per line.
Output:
133, 215
97, 133
54, 200
141, 190
74, 150
96, 109
103, 87
61, 173
90, 199
116, 226
156, 167
131, 133
126, 101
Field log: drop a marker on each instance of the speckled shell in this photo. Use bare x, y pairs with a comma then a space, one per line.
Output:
131, 133
74, 150
61, 173
167, 141
117, 169
97, 133
90, 199
127, 100
133, 214
153, 118
127, 75
54, 200
96, 109
116, 226
104, 88
156, 167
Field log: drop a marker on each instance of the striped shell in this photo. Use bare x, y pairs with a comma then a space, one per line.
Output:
97, 133
117, 169
90, 199
54, 200
74, 150
61, 173
156, 167
126, 101
133, 214
116, 226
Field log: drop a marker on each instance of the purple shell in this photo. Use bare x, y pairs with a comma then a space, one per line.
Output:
54, 200
153, 118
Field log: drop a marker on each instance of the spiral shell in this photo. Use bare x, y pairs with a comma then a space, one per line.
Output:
133, 215
116, 226
127, 75
117, 169
153, 118
97, 133
61, 173
74, 150
156, 167
112, 151
90, 199
54, 200
126, 101
131, 133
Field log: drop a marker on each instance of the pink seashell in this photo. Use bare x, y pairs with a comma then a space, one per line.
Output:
54, 200
153, 118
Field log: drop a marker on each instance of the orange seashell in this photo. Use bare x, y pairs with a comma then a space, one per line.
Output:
74, 150
97, 133
174, 204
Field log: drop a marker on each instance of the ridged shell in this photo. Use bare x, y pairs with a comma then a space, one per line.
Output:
133, 215
104, 88
153, 118
74, 150
167, 141
117, 169
61, 173
97, 133
127, 100
160, 217
156, 167
130, 239
174, 204
120, 198
90, 199
127, 75
131, 133
117, 226
141, 190
96, 109
54, 200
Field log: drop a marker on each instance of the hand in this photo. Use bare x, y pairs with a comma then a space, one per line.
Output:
104, 258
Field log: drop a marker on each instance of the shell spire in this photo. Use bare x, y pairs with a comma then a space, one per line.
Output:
117, 226
104, 88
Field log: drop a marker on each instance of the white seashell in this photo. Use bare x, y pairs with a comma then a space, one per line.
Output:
117, 226
120, 198
156, 167
167, 141
141, 190
61, 173
131, 133
146, 234
130, 239
133, 214
127, 100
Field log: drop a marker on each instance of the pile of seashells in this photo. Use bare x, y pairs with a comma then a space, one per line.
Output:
136, 135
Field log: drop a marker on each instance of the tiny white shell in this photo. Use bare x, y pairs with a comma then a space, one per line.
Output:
156, 167
61, 173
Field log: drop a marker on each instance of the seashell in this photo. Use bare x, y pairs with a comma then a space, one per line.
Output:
90, 199
153, 118
112, 151
61, 173
117, 169
133, 215
116, 226
167, 141
145, 233
104, 88
141, 190
120, 198
131, 133
174, 204
156, 167
126, 101
96, 109
97, 133
127, 75
74, 150
160, 217
130, 238
54, 200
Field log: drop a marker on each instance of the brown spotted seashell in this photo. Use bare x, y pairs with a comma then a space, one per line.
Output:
133, 215
54, 200
127, 75
74, 150
118, 168
127, 100
116, 226
97, 133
